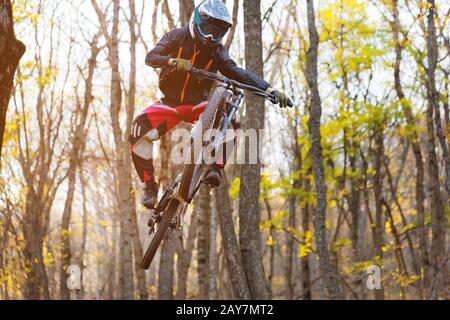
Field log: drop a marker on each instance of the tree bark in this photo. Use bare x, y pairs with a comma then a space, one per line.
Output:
75, 155
137, 245
186, 9
123, 170
126, 283
328, 274
378, 187
212, 259
81, 294
203, 208
11, 51
271, 247
249, 209
296, 171
230, 244
166, 266
234, 26
184, 258
417, 150
36, 283
304, 261
437, 202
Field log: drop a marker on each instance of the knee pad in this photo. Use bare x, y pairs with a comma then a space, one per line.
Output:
144, 146
142, 127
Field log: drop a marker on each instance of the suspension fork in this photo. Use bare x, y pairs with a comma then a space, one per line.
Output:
232, 107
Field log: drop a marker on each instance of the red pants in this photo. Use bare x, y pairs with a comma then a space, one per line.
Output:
150, 125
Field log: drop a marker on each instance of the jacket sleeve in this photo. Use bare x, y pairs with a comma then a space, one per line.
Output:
229, 69
159, 56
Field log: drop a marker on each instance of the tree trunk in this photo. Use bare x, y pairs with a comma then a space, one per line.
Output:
378, 189
437, 201
329, 276
354, 203
234, 26
203, 208
290, 252
65, 223
168, 14
212, 267
138, 255
126, 283
271, 246
184, 258
186, 9
75, 155
306, 269
249, 209
230, 244
417, 151
165, 279
296, 168
114, 255
81, 294
137, 245
11, 51
36, 283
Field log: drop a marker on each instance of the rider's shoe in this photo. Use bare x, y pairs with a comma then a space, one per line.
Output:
213, 176
150, 196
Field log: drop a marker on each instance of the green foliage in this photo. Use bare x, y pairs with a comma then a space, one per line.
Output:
276, 222
340, 243
306, 247
267, 186
235, 188
346, 25
48, 75
405, 280
24, 11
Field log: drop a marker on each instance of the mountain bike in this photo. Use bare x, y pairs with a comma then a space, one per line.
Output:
220, 113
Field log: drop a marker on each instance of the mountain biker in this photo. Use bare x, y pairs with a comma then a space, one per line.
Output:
198, 44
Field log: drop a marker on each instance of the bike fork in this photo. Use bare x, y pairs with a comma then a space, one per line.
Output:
232, 106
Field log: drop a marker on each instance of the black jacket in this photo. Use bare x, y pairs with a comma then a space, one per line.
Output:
182, 88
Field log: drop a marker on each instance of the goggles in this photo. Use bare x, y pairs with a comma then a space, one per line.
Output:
210, 28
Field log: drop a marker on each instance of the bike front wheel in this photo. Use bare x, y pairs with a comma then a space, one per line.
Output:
209, 119
163, 226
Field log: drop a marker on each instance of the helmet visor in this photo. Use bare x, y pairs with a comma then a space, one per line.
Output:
212, 31
212, 28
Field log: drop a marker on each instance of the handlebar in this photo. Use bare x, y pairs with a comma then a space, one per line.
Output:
235, 84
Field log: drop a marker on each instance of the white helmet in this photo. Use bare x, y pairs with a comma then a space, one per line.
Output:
210, 21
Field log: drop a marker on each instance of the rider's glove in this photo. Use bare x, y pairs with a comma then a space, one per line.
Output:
283, 99
183, 65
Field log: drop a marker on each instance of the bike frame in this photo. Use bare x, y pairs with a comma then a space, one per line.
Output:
232, 101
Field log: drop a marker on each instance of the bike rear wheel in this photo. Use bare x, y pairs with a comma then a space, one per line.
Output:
163, 226
209, 119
